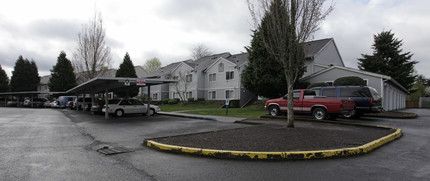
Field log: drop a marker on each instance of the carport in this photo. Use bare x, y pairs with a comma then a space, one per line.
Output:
106, 84
26, 93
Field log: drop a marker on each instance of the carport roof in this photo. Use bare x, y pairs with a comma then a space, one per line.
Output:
99, 84
30, 92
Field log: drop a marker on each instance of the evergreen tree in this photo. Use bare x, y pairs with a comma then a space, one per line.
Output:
25, 76
62, 76
4, 81
388, 59
126, 69
263, 75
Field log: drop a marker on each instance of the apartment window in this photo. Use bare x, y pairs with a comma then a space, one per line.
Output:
212, 95
175, 95
188, 94
155, 96
212, 77
229, 94
221, 67
229, 75
189, 78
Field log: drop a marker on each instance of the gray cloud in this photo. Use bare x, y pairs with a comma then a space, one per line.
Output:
55, 28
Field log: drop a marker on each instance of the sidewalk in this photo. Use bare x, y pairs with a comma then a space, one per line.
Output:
206, 117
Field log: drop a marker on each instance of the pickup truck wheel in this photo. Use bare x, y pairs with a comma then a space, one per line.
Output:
274, 110
319, 113
119, 113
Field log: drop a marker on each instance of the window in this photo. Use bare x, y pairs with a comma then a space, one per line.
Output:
175, 77
212, 77
331, 92
155, 96
229, 75
229, 94
366, 82
189, 78
296, 95
221, 67
188, 94
212, 95
175, 95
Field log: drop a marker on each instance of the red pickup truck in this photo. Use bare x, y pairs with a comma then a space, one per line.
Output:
305, 101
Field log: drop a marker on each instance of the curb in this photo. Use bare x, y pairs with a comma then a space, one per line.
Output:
286, 155
186, 116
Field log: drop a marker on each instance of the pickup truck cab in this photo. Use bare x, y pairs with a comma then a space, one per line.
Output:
305, 101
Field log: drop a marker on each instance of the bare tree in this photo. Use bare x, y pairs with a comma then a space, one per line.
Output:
182, 86
285, 26
92, 56
200, 50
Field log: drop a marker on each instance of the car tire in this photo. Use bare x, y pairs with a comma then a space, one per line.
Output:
119, 113
274, 110
151, 112
319, 113
350, 114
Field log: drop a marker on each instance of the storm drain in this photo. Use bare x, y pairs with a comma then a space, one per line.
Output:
112, 150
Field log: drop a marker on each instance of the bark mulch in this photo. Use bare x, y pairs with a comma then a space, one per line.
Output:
306, 136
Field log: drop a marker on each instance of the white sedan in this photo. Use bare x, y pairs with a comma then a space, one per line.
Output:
129, 106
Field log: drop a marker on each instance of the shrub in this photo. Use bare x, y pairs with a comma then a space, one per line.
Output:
318, 84
191, 99
350, 81
173, 101
200, 99
165, 101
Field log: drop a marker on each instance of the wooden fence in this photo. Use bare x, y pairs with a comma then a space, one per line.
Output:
412, 104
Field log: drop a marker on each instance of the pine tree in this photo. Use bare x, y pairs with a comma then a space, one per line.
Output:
34, 75
4, 81
62, 76
25, 76
388, 59
126, 69
262, 75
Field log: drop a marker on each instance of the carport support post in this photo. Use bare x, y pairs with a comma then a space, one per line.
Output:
149, 101
83, 101
106, 103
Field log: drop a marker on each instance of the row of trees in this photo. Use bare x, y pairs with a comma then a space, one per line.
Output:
25, 77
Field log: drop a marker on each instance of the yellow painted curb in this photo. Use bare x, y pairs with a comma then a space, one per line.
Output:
316, 154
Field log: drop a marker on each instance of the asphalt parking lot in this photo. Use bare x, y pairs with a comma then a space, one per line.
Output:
51, 144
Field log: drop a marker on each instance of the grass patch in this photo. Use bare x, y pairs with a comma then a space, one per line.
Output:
254, 111
180, 107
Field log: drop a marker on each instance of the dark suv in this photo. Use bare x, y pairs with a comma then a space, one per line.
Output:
366, 99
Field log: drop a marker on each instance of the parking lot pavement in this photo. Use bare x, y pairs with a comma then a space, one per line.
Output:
403, 159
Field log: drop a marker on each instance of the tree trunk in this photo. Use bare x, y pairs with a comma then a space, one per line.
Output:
290, 115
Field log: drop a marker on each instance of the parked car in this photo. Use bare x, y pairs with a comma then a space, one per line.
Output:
129, 106
53, 104
306, 102
366, 99
12, 103
98, 105
37, 102
64, 100
81, 103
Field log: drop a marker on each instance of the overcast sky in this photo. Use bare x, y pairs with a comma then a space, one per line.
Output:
168, 29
